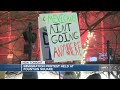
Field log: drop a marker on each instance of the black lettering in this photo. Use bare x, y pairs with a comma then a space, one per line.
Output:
66, 40
64, 27
68, 26
57, 28
76, 37
54, 40
60, 39
51, 27
70, 37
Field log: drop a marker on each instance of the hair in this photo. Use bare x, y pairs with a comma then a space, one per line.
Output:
70, 75
94, 76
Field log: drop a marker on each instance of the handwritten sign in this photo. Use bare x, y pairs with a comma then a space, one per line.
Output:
64, 36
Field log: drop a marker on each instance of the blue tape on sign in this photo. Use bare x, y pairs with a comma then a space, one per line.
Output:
10, 67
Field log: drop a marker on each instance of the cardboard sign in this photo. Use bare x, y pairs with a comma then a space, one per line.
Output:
64, 36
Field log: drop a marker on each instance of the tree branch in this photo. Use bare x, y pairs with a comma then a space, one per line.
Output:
114, 75
99, 21
10, 41
85, 16
115, 27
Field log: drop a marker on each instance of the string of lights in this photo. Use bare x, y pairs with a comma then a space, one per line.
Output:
86, 45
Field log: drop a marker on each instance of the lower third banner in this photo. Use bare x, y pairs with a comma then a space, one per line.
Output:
59, 67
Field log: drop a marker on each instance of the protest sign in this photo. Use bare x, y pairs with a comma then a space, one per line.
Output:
64, 36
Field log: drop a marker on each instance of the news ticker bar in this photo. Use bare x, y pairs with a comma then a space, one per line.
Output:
60, 67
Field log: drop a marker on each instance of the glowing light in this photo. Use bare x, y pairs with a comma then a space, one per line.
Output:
83, 62
90, 34
87, 41
87, 45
